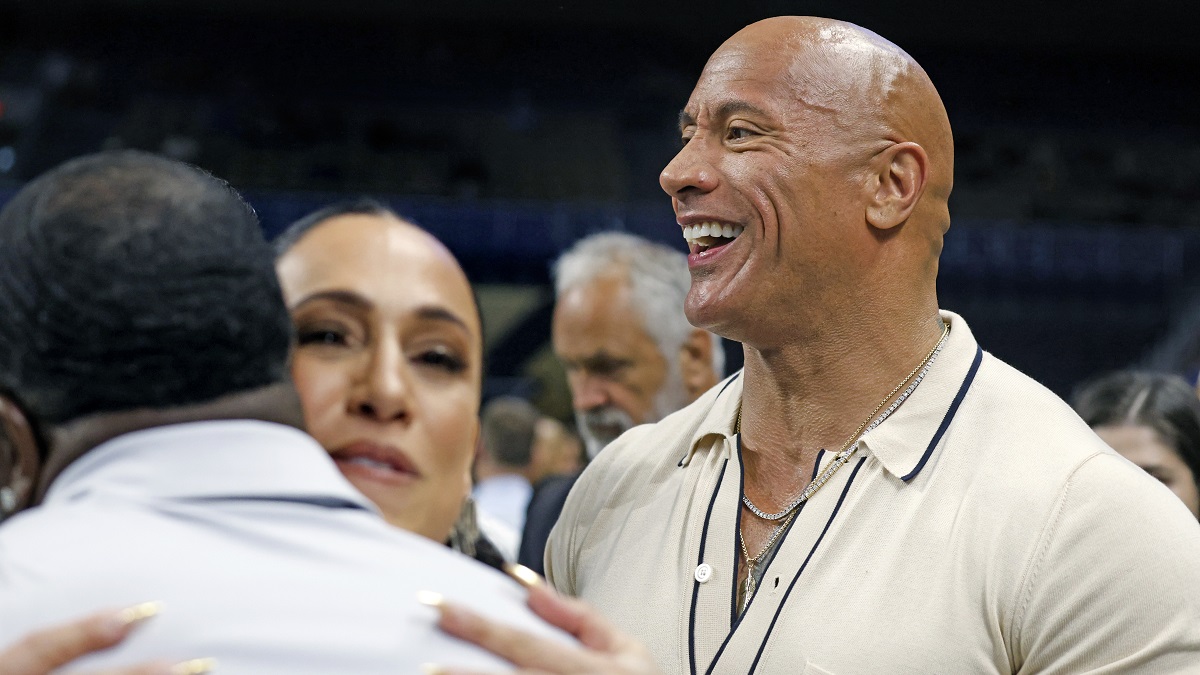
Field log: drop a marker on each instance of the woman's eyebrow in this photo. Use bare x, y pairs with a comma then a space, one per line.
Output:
436, 313
341, 297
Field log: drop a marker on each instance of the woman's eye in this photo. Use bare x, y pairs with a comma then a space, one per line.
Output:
443, 359
320, 337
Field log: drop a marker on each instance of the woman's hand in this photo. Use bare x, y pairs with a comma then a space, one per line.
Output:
603, 649
42, 652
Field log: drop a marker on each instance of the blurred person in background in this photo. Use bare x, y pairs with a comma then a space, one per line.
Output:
560, 449
630, 355
156, 445
505, 466
388, 364
1151, 419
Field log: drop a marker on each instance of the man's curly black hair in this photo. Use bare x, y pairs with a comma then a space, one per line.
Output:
131, 281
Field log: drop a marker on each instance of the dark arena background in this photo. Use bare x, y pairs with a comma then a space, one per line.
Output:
510, 129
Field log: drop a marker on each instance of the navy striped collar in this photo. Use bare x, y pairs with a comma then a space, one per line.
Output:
906, 441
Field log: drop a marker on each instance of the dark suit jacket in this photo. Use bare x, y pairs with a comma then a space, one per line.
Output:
549, 495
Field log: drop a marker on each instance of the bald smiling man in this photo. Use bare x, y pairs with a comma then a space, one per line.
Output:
874, 492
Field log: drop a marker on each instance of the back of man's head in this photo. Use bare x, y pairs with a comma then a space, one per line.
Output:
130, 281
507, 431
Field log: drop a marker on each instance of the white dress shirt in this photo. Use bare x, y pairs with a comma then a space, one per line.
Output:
261, 553
504, 497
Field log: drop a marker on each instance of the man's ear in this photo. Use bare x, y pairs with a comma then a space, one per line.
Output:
696, 363
20, 458
898, 179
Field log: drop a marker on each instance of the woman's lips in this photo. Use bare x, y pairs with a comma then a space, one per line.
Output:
376, 462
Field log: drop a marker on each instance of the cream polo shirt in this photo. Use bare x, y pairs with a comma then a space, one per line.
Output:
982, 528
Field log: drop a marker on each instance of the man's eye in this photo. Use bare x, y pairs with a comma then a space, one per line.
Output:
610, 369
739, 133
320, 337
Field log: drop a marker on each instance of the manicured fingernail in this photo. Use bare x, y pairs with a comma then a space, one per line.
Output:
138, 613
431, 599
524, 576
432, 669
120, 623
194, 667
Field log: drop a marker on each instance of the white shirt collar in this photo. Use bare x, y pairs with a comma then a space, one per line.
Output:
209, 460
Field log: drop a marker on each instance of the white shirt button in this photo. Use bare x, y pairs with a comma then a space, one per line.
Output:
704, 572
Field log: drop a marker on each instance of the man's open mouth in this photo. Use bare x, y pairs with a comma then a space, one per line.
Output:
704, 236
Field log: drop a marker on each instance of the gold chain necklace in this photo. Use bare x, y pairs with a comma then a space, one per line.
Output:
751, 585
848, 448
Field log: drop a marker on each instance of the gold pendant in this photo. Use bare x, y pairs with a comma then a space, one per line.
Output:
750, 586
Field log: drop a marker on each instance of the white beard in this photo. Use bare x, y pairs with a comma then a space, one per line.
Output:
600, 426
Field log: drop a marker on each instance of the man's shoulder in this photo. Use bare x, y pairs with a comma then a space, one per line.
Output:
650, 455
1026, 422
1041, 456
290, 565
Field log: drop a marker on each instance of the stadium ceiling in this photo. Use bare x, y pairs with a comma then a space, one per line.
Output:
1161, 27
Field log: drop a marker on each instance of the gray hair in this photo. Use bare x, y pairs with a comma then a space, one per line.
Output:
658, 279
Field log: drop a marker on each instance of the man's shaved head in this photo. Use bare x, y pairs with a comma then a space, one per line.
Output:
827, 149
866, 83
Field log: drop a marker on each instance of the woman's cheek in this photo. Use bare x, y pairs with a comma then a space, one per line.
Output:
318, 395
455, 430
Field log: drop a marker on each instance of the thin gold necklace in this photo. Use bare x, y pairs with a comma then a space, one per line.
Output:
751, 585
851, 445
848, 448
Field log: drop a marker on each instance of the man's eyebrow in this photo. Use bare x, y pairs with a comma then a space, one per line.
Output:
723, 111
731, 108
603, 360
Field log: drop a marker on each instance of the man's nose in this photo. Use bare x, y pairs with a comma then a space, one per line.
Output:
588, 392
689, 171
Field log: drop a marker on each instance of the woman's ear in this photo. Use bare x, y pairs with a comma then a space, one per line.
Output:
20, 458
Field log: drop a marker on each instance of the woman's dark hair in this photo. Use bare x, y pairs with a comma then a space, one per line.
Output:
362, 206
1165, 403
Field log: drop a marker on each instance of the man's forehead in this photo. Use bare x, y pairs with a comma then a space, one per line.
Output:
732, 83
818, 63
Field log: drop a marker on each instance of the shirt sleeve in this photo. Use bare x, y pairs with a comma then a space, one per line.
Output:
565, 537
1114, 586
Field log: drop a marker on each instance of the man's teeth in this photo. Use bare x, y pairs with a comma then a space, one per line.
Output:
705, 234
367, 461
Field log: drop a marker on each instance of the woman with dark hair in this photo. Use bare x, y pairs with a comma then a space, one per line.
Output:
1153, 420
388, 364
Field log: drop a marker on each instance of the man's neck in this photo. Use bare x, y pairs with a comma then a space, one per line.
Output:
67, 442
813, 394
